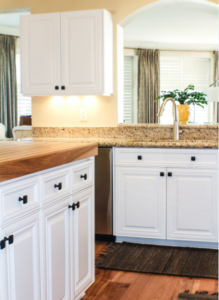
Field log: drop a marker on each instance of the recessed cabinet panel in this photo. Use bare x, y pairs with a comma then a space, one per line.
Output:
55, 251
56, 185
140, 202
82, 234
22, 260
82, 51
192, 205
40, 52
26, 190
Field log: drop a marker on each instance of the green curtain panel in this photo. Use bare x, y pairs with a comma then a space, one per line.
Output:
148, 85
216, 78
8, 83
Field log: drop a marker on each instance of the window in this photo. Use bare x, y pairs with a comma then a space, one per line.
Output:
24, 103
178, 73
130, 89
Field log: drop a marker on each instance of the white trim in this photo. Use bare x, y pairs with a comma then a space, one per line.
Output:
160, 3
10, 30
161, 242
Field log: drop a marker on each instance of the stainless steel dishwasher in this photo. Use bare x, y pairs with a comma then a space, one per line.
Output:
104, 194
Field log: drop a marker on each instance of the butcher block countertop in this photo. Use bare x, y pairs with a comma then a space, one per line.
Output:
23, 158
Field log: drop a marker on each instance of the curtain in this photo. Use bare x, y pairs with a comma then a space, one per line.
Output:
216, 78
8, 83
148, 85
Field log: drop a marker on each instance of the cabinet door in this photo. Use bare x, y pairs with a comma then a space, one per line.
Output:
192, 210
55, 251
140, 202
20, 268
81, 52
82, 242
40, 54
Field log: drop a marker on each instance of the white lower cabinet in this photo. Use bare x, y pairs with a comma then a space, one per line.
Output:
141, 209
55, 251
20, 260
82, 242
177, 201
47, 253
192, 205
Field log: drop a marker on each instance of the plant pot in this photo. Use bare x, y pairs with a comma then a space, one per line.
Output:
183, 113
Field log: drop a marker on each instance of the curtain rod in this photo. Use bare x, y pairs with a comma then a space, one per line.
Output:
15, 36
173, 50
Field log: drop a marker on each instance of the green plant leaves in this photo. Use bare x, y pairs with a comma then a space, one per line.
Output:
188, 96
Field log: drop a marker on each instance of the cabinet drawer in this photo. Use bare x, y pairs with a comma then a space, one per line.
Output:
19, 198
82, 176
166, 157
55, 185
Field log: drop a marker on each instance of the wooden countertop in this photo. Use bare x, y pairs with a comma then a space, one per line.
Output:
23, 158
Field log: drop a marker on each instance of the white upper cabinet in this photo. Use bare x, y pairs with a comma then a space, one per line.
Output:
40, 54
67, 53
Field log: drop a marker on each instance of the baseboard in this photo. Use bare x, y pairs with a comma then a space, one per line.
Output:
105, 237
210, 245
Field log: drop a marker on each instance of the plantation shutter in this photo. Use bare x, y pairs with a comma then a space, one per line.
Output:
197, 72
178, 73
170, 79
128, 90
24, 103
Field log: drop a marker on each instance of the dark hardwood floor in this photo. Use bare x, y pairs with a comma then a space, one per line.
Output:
114, 285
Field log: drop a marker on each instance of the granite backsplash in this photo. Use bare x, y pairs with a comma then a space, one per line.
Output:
139, 131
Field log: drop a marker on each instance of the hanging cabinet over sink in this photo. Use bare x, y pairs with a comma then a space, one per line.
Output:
68, 53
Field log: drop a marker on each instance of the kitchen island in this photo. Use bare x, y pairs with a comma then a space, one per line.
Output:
46, 219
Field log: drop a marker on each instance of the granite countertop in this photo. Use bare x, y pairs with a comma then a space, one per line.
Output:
115, 142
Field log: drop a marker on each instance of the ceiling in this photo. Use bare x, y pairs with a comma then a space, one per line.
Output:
11, 19
178, 25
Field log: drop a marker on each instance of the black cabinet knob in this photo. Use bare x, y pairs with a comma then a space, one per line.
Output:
84, 176
10, 240
74, 205
59, 186
139, 157
193, 158
56, 87
170, 174
162, 174
24, 199
63, 87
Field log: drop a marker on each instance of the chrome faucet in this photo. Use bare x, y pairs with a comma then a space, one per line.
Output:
176, 121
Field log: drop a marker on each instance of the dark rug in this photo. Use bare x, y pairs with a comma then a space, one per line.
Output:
165, 260
197, 296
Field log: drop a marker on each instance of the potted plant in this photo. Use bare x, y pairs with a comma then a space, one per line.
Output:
185, 98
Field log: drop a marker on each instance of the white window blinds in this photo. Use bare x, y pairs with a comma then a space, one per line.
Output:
128, 90
24, 103
178, 73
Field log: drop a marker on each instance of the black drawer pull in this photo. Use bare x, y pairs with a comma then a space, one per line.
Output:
63, 87
78, 204
24, 199
10, 240
162, 174
56, 87
139, 157
84, 176
193, 158
170, 174
59, 186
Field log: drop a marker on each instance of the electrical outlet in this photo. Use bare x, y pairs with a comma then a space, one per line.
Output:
83, 114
